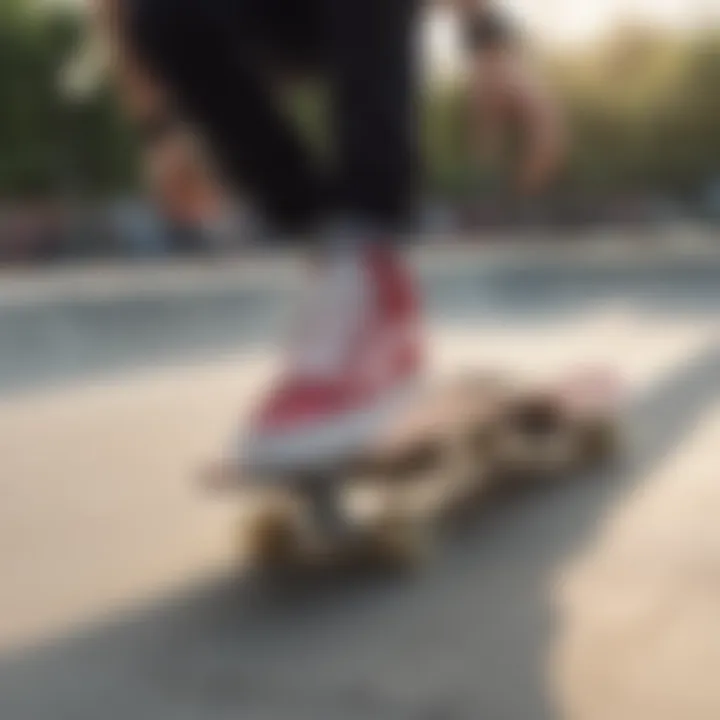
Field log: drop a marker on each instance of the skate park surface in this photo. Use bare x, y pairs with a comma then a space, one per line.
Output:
119, 596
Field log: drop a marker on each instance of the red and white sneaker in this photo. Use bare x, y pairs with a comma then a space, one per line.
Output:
356, 361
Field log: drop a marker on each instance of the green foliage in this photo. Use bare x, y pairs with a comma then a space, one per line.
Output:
643, 109
48, 142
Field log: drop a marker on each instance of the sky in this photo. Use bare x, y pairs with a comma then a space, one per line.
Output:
576, 21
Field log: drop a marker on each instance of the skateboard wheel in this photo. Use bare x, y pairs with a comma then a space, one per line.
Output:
523, 460
536, 417
401, 543
271, 538
535, 439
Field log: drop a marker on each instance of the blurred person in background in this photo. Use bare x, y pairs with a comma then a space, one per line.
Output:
210, 72
200, 217
518, 127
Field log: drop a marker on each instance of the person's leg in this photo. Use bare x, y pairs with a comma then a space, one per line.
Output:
358, 360
212, 57
360, 348
372, 66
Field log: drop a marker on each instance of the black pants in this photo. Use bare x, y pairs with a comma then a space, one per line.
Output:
218, 58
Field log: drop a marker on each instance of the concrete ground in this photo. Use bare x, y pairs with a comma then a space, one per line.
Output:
118, 595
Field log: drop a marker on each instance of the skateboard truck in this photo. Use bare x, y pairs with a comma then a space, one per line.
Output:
322, 496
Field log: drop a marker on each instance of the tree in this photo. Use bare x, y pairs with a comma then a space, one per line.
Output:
47, 141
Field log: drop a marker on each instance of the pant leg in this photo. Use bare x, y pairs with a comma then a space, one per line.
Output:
209, 55
373, 67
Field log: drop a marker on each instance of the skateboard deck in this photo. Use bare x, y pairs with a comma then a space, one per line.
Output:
459, 440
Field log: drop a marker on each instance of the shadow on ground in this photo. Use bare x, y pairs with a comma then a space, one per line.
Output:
467, 639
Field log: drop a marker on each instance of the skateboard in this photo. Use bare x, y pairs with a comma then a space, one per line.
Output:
381, 507
456, 443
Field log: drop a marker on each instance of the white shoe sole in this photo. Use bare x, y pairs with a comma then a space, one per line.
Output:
320, 447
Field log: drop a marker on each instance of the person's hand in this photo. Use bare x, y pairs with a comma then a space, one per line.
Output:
544, 137
508, 98
180, 181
